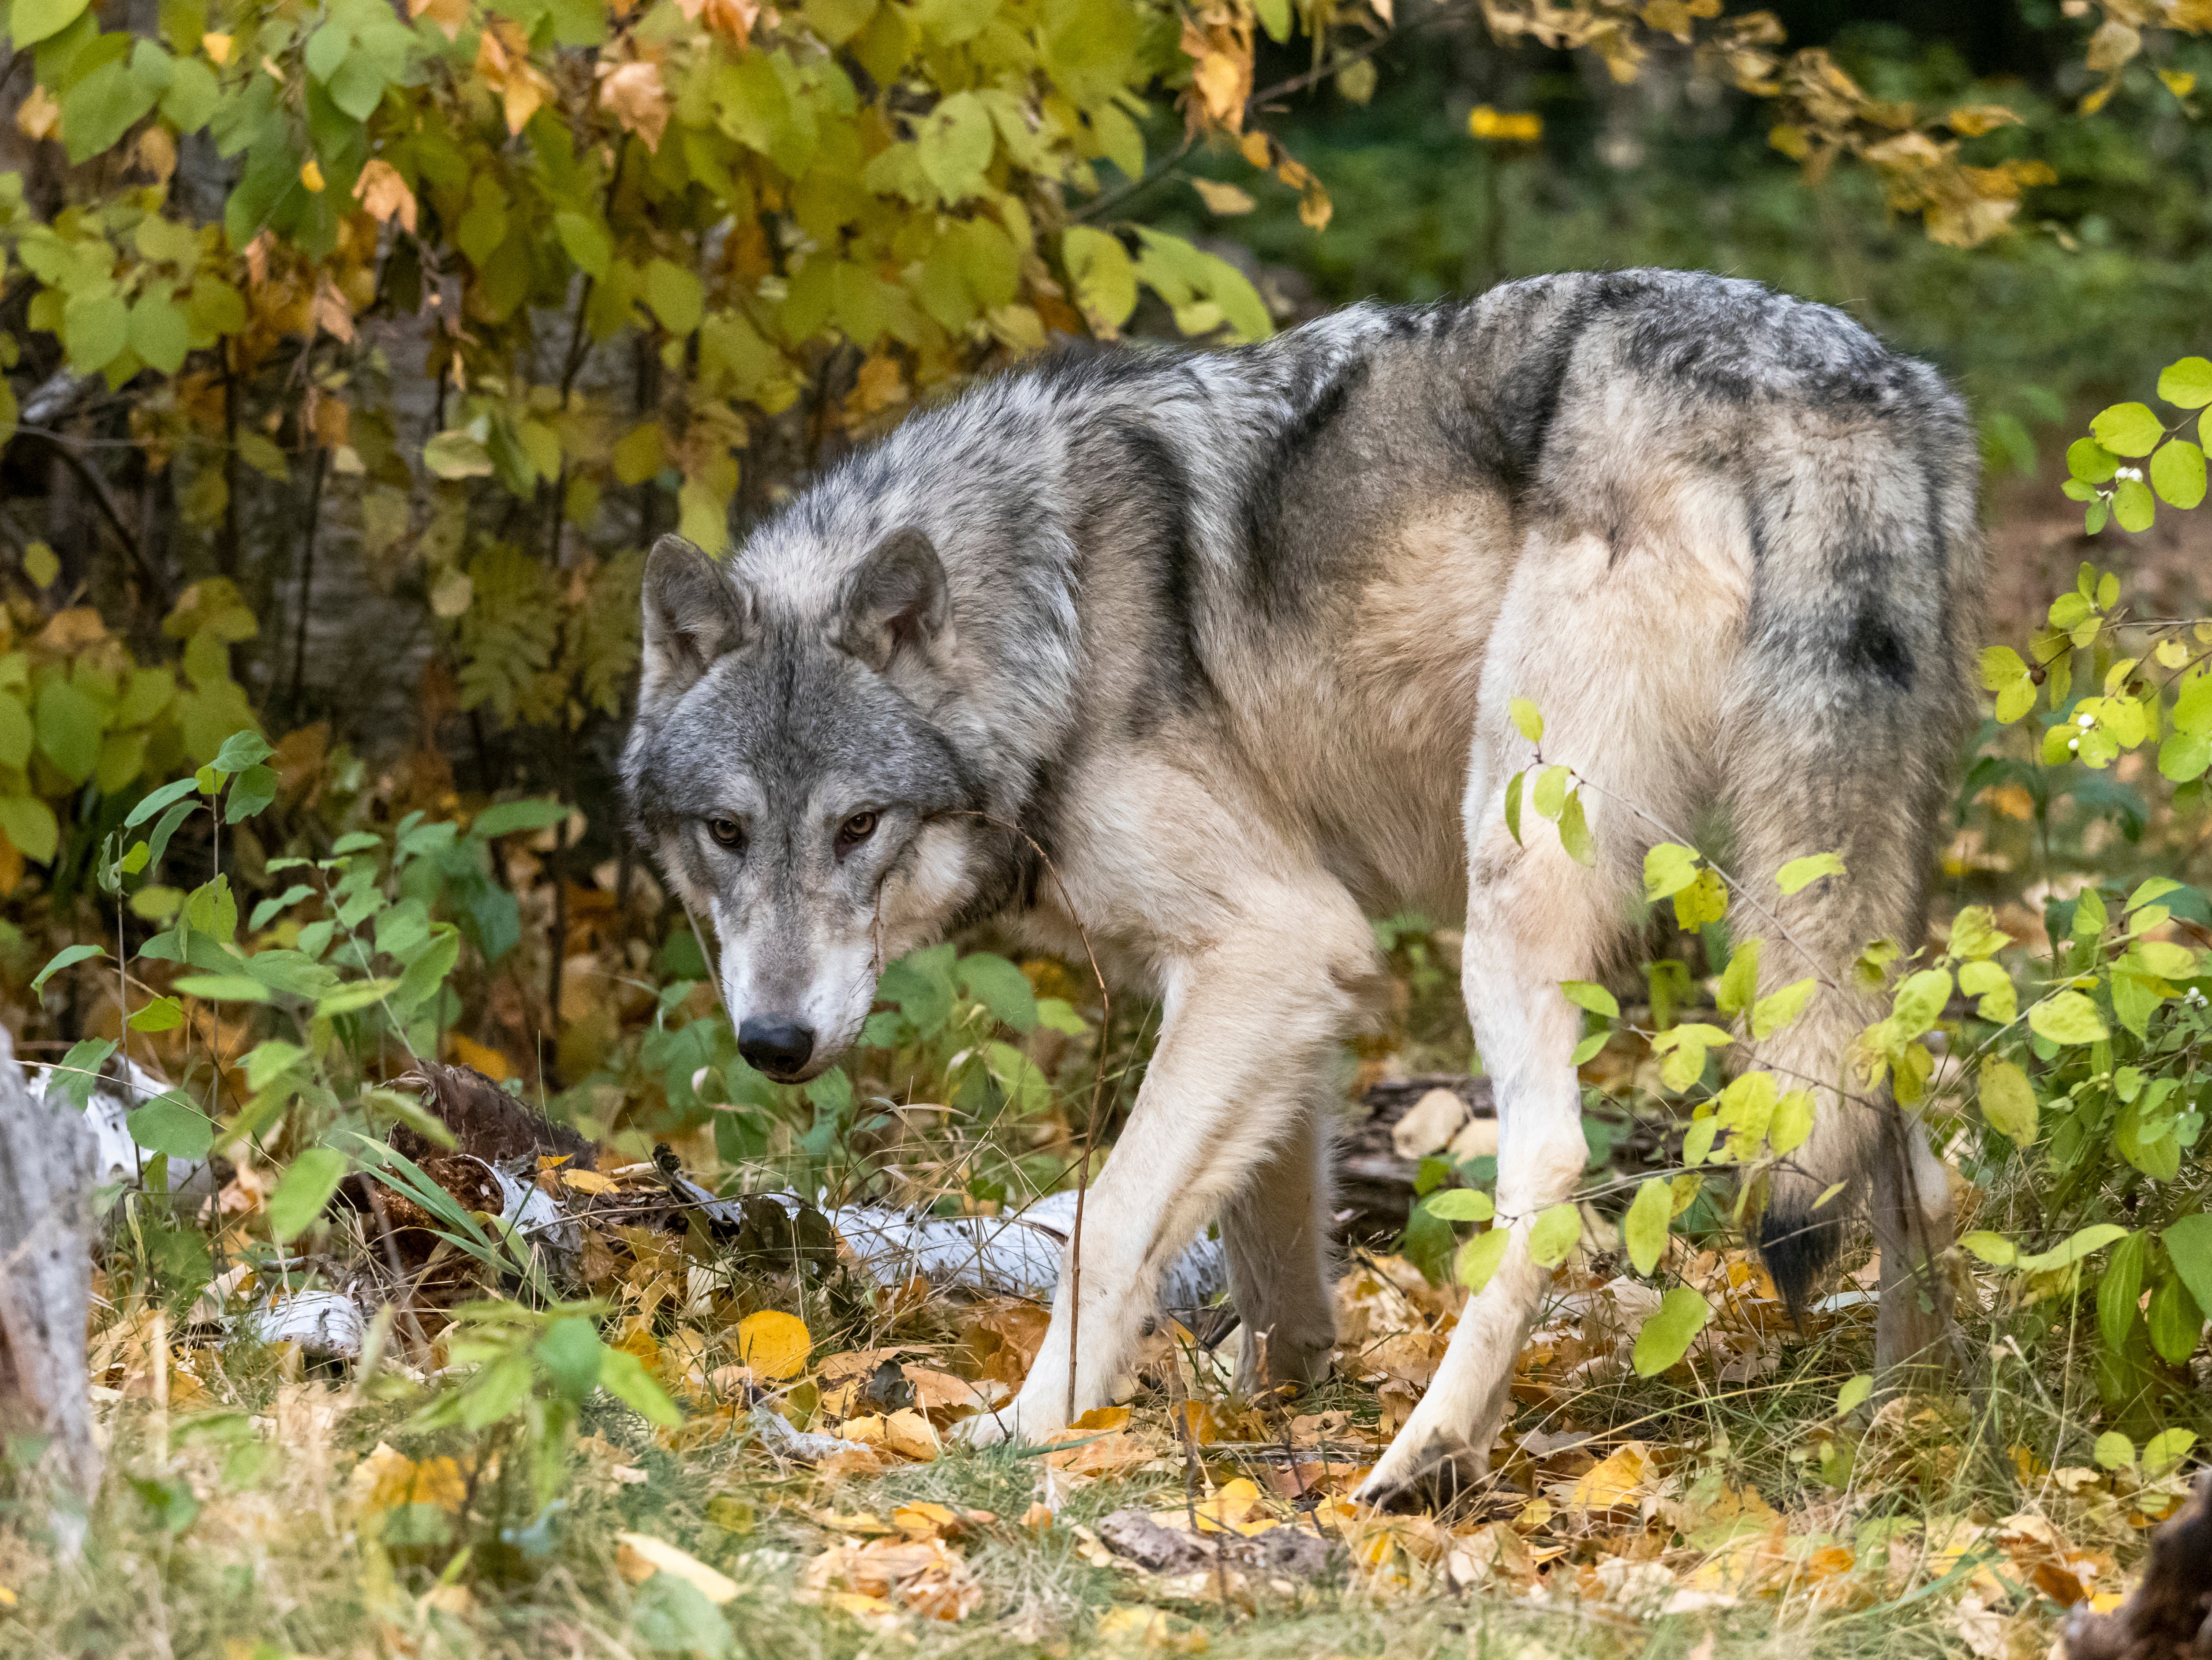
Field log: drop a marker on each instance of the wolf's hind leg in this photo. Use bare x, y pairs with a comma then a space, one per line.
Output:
1275, 1233
1850, 771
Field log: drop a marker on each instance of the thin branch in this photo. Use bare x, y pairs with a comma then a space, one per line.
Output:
110, 510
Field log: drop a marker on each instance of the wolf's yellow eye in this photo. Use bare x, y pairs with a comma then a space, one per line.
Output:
727, 831
856, 830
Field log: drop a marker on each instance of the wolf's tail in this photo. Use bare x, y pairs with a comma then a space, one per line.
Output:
1840, 734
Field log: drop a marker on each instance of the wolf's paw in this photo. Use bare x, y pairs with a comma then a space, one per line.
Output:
1445, 1471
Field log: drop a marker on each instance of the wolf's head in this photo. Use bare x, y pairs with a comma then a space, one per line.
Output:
783, 768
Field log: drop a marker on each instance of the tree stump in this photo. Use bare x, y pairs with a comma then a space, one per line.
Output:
48, 1168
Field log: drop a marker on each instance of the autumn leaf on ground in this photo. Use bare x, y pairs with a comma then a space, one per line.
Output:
773, 1344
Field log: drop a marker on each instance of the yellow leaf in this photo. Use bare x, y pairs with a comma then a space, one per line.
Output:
1221, 198
1619, 1480
1154, 1631
39, 116
382, 190
773, 1344
639, 1556
387, 1479
924, 1520
311, 175
634, 95
586, 1180
484, 1059
908, 1433
216, 46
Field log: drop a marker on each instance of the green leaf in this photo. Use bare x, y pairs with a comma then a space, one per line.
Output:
496, 1393
223, 989
1667, 1334
163, 1014
1993, 1249
1549, 798
1001, 987
2119, 1291
2114, 1451
1513, 806
30, 22
1460, 1205
677, 297
2008, 1101
16, 736
1554, 1234
31, 826
159, 333
1778, 1010
97, 111
67, 957
1528, 720
955, 144
1104, 279
1853, 1393
2189, 1243
2187, 384
2133, 505
622, 1377
572, 1354
1574, 832
2090, 461
1800, 873
241, 750
69, 725
252, 790
1644, 1230
1739, 982
359, 995
2177, 473
158, 799
302, 1191
2176, 1322
2068, 1018
1586, 994
2166, 1450
586, 241
2083, 1243
507, 817
2128, 428
1668, 867
269, 1060
1792, 1121
171, 1124
1479, 1258
456, 454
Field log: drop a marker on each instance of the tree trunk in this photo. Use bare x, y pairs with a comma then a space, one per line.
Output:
47, 1158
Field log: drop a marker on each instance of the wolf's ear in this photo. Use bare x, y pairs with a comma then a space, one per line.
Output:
897, 600
695, 612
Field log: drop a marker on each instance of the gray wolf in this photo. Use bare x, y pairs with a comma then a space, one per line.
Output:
1231, 637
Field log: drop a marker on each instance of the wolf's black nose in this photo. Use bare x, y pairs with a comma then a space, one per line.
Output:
778, 1047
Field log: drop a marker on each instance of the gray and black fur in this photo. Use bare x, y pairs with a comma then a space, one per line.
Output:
1228, 636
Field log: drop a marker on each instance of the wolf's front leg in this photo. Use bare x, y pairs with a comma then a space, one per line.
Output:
1533, 919
1241, 1017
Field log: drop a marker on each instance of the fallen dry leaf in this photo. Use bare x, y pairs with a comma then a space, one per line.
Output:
639, 1556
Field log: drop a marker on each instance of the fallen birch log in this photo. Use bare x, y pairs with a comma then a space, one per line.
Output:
48, 1160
